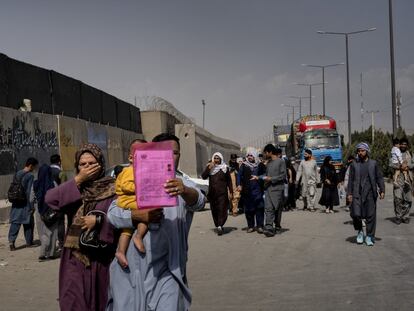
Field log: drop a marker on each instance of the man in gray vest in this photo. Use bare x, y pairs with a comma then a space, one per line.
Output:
274, 183
365, 182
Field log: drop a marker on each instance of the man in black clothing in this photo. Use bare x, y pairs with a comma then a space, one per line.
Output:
58, 177
365, 182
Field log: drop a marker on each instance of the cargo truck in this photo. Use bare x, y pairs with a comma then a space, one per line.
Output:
319, 134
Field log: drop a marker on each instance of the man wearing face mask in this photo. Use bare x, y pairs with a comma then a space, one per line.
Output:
308, 175
365, 182
403, 187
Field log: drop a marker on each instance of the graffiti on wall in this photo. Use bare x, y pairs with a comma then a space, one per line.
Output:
18, 136
24, 138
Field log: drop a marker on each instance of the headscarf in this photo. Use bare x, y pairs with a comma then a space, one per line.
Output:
92, 192
363, 146
253, 165
220, 167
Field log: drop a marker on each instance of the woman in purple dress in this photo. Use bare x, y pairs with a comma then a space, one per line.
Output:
84, 275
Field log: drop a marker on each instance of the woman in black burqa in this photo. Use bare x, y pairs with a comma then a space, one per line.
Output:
329, 179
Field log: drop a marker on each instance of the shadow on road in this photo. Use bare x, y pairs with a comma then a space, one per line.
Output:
225, 229
352, 239
283, 230
348, 222
392, 219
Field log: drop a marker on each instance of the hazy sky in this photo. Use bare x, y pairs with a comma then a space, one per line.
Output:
242, 56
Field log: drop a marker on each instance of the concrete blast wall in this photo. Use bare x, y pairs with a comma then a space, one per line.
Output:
31, 134
197, 144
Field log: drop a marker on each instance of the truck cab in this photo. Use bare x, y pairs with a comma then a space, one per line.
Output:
323, 142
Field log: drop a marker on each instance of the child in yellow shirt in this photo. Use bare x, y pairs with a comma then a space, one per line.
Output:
125, 189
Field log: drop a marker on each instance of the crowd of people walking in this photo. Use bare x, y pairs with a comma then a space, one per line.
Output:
101, 270
270, 184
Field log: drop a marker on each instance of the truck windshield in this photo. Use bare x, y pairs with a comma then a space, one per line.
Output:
331, 141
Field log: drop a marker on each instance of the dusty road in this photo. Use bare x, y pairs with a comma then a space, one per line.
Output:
313, 265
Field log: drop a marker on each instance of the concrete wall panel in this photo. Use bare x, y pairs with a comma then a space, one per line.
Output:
187, 135
24, 135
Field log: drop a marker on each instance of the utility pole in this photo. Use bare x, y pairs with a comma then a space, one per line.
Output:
362, 106
204, 110
372, 112
398, 107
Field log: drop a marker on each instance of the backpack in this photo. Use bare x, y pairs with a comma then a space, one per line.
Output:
16, 193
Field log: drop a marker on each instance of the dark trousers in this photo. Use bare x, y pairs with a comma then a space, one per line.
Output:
61, 230
14, 232
370, 222
278, 218
273, 209
219, 206
255, 213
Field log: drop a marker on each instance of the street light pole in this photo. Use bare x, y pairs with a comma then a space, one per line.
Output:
348, 98
310, 93
204, 110
300, 103
393, 103
293, 111
323, 80
346, 34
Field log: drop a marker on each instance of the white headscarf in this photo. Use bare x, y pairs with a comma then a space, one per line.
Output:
253, 153
220, 167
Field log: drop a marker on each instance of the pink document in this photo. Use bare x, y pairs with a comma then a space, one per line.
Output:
153, 166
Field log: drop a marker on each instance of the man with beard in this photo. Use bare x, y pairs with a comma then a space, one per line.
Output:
307, 174
365, 182
403, 187
274, 183
252, 192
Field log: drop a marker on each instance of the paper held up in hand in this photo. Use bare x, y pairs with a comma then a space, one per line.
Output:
153, 166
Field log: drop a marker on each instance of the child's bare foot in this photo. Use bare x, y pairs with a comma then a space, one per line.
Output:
139, 244
122, 260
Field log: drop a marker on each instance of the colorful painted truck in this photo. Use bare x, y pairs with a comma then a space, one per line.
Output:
317, 133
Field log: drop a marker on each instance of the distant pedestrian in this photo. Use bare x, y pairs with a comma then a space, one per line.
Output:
365, 182
397, 161
307, 175
274, 184
329, 180
403, 184
220, 186
344, 177
291, 179
22, 213
252, 192
59, 177
234, 175
48, 233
